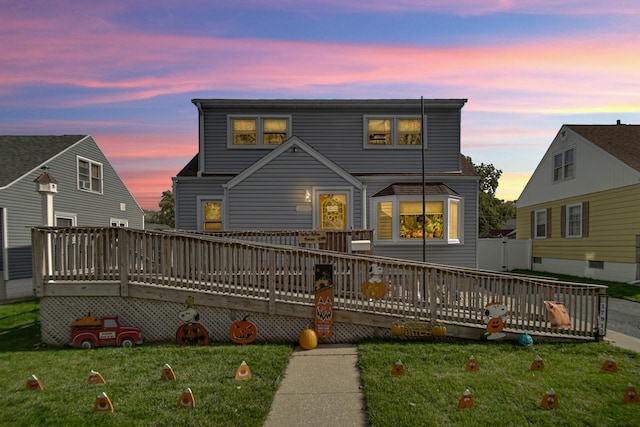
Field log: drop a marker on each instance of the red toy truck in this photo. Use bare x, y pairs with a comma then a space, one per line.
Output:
90, 332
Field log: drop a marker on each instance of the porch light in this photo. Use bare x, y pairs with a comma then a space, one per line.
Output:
307, 195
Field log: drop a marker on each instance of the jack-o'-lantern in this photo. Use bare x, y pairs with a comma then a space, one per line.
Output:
373, 289
194, 334
243, 331
495, 325
438, 330
308, 339
525, 340
397, 329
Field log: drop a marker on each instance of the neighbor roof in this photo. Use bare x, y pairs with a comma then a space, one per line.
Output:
21, 154
620, 140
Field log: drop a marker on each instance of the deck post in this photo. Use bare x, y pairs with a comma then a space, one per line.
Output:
123, 260
272, 281
38, 259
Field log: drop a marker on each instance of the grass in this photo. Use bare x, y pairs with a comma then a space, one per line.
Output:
139, 396
506, 391
615, 289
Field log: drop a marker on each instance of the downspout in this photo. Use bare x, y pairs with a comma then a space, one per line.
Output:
200, 139
364, 207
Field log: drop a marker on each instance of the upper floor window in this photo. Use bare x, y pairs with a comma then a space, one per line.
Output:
384, 131
563, 165
258, 132
89, 175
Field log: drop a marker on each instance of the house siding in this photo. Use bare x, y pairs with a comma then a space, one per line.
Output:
186, 191
613, 227
25, 203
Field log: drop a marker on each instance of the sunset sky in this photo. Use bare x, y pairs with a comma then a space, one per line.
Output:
125, 71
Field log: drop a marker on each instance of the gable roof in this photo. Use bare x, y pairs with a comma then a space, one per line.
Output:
20, 155
415, 189
620, 140
297, 143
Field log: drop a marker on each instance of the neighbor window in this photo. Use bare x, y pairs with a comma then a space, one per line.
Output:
89, 175
574, 220
393, 131
563, 165
258, 132
401, 219
541, 224
211, 215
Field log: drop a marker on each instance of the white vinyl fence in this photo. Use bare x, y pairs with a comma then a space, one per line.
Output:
504, 254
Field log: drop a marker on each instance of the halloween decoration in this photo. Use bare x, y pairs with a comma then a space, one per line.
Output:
558, 315
187, 400
95, 378
102, 403
324, 300
167, 373
397, 368
374, 286
243, 331
466, 401
537, 364
308, 339
472, 365
191, 332
610, 365
631, 394
418, 328
194, 334
243, 372
493, 314
89, 332
550, 400
525, 340
34, 383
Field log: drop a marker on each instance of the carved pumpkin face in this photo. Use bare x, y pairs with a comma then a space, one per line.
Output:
495, 325
373, 289
243, 331
194, 334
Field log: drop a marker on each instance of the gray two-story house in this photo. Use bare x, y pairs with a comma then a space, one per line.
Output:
335, 165
89, 192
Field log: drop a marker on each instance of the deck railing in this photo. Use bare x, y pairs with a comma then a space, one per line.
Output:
278, 273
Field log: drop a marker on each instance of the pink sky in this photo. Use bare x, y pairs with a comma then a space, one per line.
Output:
125, 73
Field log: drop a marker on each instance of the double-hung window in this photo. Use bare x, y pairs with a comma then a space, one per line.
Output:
563, 165
210, 215
89, 175
574, 220
388, 131
258, 132
541, 223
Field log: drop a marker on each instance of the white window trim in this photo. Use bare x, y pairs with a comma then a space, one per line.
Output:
119, 221
91, 162
394, 131
66, 215
4, 244
568, 220
535, 225
395, 225
199, 217
562, 153
259, 130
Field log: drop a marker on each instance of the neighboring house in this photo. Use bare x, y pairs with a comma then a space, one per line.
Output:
581, 207
335, 164
89, 193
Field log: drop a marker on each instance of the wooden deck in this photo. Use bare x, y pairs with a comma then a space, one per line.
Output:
275, 279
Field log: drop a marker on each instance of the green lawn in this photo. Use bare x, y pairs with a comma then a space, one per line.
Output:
615, 289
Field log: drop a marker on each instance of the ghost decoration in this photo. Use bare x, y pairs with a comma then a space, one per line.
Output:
493, 314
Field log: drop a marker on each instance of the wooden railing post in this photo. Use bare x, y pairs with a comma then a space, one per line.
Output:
123, 260
272, 281
38, 261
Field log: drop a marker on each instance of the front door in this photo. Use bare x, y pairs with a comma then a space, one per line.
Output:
332, 210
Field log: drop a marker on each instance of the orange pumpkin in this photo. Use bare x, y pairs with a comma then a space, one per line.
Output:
373, 289
308, 339
397, 329
194, 334
243, 331
439, 330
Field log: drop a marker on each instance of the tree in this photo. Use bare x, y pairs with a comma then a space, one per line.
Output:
166, 215
493, 212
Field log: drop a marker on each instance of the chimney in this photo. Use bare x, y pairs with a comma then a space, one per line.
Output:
618, 122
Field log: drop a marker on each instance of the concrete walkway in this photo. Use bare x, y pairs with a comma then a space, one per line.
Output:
321, 387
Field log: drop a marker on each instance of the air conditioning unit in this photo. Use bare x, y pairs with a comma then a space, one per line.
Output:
85, 185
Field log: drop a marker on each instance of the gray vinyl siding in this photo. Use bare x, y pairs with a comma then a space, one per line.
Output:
268, 198
339, 135
24, 203
186, 191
